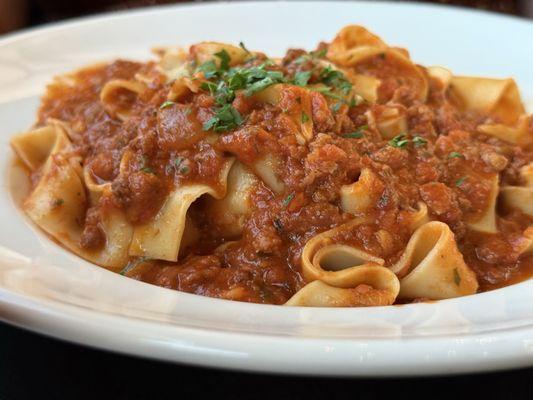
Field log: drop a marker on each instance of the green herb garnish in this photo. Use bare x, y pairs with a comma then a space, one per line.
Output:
358, 134
58, 202
455, 154
178, 161
456, 277
224, 59
336, 107
399, 141
460, 181
242, 46
224, 81
305, 118
147, 170
287, 200
311, 56
209, 69
225, 118
166, 104
301, 78
335, 78
419, 141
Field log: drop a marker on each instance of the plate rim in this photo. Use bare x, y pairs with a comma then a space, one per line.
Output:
16, 300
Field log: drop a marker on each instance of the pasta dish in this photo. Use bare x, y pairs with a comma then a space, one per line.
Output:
344, 176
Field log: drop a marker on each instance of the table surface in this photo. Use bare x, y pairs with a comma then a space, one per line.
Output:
36, 367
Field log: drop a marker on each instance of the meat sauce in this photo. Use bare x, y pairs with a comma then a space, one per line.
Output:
263, 264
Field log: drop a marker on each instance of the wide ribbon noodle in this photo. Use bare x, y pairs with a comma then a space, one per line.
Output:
343, 275
58, 202
347, 176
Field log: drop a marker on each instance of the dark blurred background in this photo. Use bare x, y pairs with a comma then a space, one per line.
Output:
17, 14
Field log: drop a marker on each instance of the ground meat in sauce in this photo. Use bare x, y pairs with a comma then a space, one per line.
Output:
161, 148
92, 237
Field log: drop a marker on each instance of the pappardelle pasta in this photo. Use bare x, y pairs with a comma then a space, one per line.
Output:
345, 176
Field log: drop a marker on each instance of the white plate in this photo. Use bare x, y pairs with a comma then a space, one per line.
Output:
46, 289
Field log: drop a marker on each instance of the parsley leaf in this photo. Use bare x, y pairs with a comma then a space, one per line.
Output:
335, 78
419, 141
242, 46
456, 277
301, 78
209, 69
455, 154
336, 107
166, 104
178, 161
225, 118
147, 170
399, 141
460, 181
305, 118
224, 59
258, 86
358, 134
58, 202
287, 200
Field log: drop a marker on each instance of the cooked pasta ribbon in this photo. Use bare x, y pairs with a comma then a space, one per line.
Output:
343, 275
231, 211
118, 97
486, 220
432, 267
363, 194
520, 197
160, 238
498, 98
355, 45
58, 202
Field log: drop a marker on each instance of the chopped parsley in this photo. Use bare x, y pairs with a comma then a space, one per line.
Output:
166, 104
399, 141
455, 154
419, 141
287, 200
327, 91
456, 277
460, 181
301, 78
224, 59
311, 56
358, 134
209, 69
147, 170
58, 202
242, 46
184, 170
226, 117
178, 161
335, 78
144, 167
222, 83
336, 107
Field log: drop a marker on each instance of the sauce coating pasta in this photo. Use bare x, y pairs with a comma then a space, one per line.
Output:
345, 176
